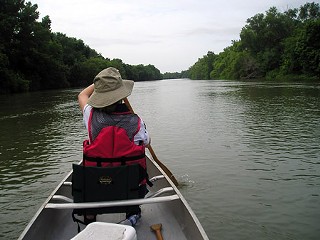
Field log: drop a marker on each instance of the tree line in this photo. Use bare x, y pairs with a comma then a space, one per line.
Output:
272, 46
32, 57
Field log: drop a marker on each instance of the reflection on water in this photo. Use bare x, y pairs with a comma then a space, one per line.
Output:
247, 154
38, 136
273, 133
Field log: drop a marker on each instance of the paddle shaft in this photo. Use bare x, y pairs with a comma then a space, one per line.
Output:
159, 235
163, 167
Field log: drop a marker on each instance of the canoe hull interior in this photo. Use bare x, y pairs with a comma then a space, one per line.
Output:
177, 219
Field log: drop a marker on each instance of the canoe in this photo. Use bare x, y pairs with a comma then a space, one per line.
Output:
163, 205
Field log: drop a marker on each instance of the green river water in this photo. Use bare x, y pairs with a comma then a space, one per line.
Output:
246, 154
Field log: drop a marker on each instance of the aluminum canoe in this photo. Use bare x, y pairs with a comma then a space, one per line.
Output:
164, 205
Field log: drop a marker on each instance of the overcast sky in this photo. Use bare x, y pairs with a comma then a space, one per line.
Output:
169, 34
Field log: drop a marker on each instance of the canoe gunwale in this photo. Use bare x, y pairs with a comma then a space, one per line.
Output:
172, 197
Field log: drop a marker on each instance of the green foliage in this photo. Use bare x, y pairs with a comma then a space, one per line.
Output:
175, 75
302, 55
263, 37
142, 73
83, 73
203, 67
225, 63
34, 58
272, 45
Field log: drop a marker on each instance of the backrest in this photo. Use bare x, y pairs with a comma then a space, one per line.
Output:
95, 184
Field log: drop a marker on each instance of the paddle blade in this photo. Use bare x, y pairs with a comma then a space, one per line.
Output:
164, 168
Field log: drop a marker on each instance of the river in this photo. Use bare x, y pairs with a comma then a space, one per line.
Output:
246, 154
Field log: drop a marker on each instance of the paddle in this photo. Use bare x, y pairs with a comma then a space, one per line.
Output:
164, 168
157, 229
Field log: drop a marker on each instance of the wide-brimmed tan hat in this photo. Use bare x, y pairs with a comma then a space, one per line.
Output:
109, 88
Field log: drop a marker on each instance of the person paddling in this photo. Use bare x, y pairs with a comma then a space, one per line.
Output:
113, 131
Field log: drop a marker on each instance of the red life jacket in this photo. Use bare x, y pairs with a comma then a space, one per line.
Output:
112, 141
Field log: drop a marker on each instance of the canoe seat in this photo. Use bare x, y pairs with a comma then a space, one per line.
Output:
99, 184
106, 231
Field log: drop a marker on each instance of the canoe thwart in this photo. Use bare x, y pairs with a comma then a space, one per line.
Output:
156, 178
62, 198
155, 194
160, 192
153, 179
119, 203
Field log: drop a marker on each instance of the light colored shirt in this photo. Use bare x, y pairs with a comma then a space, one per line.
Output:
142, 134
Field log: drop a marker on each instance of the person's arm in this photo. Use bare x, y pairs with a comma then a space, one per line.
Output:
142, 135
84, 96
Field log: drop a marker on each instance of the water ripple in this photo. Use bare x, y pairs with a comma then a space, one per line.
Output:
246, 153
